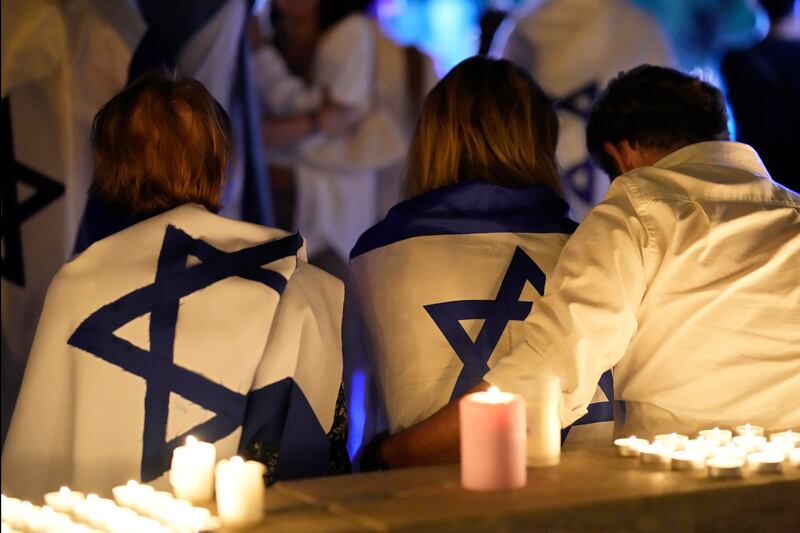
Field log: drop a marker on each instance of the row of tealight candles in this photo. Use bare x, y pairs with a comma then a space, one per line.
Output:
718, 451
195, 477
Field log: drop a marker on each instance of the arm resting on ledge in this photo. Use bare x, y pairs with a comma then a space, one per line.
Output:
432, 441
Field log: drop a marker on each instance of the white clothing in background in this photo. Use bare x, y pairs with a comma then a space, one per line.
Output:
280, 91
573, 48
685, 280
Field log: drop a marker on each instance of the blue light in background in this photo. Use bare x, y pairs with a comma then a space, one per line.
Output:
358, 416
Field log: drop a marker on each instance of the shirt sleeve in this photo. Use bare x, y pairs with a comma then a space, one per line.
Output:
281, 92
582, 325
346, 61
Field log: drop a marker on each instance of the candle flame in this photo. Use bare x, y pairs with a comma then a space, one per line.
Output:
494, 391
191, 439
237, 460
132, 483
64, 491
92, 497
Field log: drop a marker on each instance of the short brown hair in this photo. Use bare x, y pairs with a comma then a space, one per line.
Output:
487, 120
160, 143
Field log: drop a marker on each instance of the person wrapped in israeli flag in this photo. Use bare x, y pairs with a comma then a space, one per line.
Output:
442, 286
185, 323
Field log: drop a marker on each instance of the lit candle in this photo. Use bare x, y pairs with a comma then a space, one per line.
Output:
749, 442
9, 508
493, 440
64, 500
707, 447
100, 513
192, 471
765, 462
133, 495
724, 467
122, 520
542, 395
731, 450
791, 437
793, 457
689, 460
240, 491
656, 455
720, 436
630, 446
749, 429
677, 440
83, 508
27, 515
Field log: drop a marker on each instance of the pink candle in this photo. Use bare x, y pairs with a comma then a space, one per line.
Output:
493, 440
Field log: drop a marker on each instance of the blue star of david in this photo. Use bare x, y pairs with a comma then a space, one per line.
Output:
15, 212
173, 281
579, 103
496, 313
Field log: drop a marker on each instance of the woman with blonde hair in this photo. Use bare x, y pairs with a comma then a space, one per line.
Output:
442, 286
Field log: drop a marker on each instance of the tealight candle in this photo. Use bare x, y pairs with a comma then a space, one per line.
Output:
688, 460
192, 471
748, 429
493, 440
790, 437
101, 512
793, 457
133, 495
765, 462
724, 467
677, 440
83, 508
707, 447
64, 500
749, 442
630, 446
731, 450
9, 508
720, 436
657, 455
240, 491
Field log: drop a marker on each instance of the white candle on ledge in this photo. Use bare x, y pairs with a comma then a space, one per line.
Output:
656, 455
725, 467
765, 462
749, 442
749, 429
240, 491
64, 500
720, 436
192, 471
793, 457
689, 460
132, 495
630, 446
676, 440
707, 447
789, 437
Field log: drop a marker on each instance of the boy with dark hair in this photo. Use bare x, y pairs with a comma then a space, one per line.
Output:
683, 280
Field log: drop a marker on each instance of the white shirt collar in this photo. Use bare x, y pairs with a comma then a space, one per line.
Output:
724, 153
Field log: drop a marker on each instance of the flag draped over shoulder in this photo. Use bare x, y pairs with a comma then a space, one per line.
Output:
573, 48
442, 287
186, 323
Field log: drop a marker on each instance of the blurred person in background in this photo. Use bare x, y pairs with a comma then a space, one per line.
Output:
326, 129
185, 323
444, 283
763, 86
572, 48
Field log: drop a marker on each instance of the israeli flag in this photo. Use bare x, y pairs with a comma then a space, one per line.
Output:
185, 324
573, 48
443, 286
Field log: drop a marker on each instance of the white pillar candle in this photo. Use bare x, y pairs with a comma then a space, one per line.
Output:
656, 455
677, 440
724, 467
689, 460
749, 429
791, 437
542, 396
765, 462
630, 446
64, 500
240, 491
493, 440
749, 442
192, 471
721, 436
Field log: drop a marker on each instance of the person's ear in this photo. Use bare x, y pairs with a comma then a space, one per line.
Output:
623, 155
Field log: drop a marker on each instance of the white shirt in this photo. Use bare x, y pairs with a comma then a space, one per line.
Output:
686, 281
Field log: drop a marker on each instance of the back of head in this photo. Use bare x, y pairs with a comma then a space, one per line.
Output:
487, 120
655, 108
161, 143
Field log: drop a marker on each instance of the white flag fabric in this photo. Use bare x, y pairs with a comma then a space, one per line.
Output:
186, 323
573, 48
443, 286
